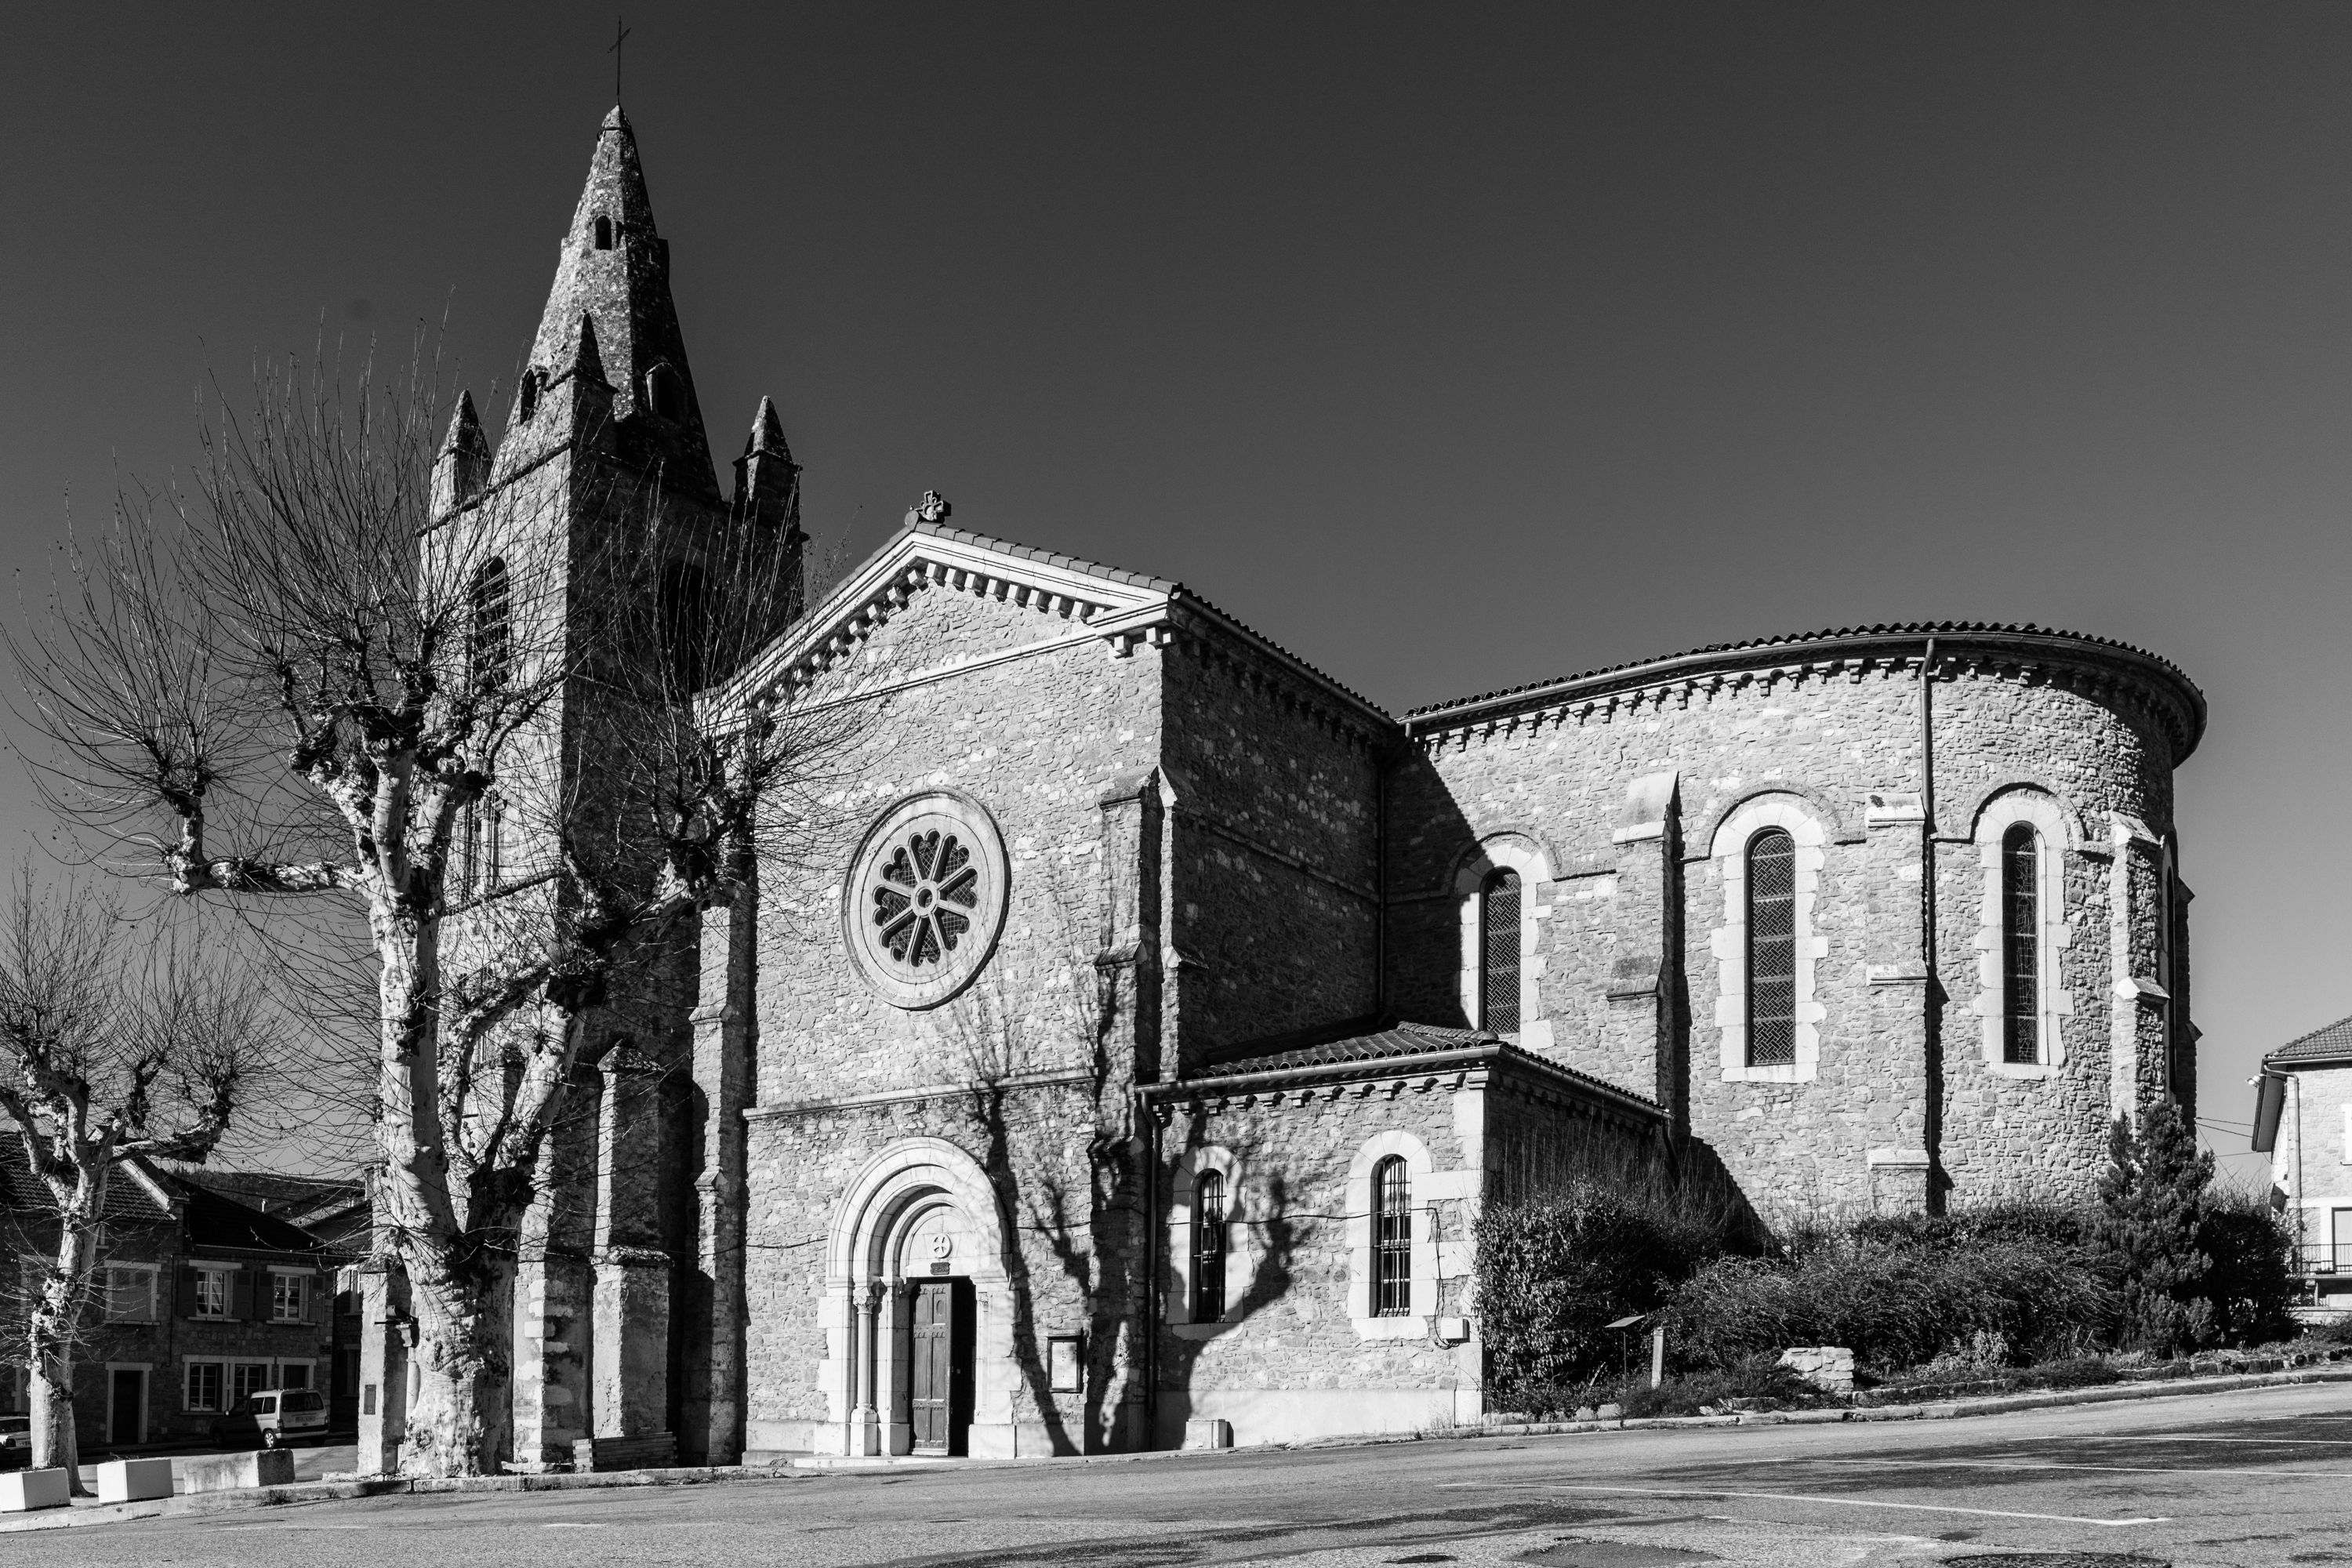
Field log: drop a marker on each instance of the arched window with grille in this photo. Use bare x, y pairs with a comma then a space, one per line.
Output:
1498, 966
2021, 945
1209, 1247
489, 628
1391, 1239
1771, 949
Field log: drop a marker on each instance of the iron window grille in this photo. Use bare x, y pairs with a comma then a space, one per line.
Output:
1392, 1223
2021, 945
1209, 1248
1499, 969
1771, 949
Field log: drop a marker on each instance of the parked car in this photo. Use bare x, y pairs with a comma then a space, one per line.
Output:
272, 1417
15, 1441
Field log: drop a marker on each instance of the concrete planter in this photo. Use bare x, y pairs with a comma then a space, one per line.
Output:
133, 1480
21, 1492
232, 1472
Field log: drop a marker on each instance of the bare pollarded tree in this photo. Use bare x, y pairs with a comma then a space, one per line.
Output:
294, 685
266, 690
109, 1053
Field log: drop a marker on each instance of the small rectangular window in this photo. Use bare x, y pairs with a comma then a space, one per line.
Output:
248, 1378
211, 1292
130, 1294
204, 1386
286, 1297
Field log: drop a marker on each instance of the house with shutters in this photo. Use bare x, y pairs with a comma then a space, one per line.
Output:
199, 1300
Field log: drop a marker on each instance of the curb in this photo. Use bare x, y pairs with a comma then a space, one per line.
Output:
383, 1486
1996, 1404
710, 1475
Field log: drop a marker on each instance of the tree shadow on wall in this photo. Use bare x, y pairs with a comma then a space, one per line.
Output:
1269, 1244
1090, 1217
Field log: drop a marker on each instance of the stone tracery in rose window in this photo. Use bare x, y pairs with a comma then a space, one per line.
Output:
924, 902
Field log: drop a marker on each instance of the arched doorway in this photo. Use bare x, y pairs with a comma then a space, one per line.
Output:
919, 1316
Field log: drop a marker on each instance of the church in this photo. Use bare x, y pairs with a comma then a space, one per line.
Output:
1128, 1062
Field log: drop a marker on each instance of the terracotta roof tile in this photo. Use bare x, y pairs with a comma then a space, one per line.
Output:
2331, 1044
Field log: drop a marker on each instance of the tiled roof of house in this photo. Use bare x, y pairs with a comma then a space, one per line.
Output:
2332, 1043
128, 1200
213, 1221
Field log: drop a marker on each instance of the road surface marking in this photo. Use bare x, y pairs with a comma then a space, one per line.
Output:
2063, 1465
1857, 1502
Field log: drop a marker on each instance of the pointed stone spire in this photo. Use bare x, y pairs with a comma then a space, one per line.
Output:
464, 461
767, 432
613, 268
767, 480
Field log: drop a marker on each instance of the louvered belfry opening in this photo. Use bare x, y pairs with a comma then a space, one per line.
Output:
2021, 945
1498, 968
1771, 949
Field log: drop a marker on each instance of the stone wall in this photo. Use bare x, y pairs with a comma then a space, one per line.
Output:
1297, 1354
1273, 851
1897, 1092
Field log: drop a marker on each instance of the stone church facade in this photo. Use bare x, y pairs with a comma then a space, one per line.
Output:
1132, 1057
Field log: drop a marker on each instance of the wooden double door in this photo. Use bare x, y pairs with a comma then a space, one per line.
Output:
939, 1404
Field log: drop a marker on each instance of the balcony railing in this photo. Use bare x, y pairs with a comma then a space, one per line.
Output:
2324, 1257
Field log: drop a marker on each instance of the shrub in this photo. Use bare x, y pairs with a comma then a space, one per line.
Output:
1553, 1270
1898, 1294
2154, 1200
2250, 1284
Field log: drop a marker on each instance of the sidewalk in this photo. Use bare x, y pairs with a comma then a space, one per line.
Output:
808, 1468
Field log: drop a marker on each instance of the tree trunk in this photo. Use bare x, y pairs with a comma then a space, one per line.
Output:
457, 1425
50, 1334
461, 1420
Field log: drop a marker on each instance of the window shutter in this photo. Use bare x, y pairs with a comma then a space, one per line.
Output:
310, 1298
183, 1295
240, 1294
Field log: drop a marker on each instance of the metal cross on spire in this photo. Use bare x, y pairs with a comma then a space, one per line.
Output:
620, 37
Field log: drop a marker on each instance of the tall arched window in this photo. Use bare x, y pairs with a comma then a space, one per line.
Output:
603, 233
1771, 949
1209, 1247
2021, 945
533, 381
489, 627
1391, 1239
1499, 937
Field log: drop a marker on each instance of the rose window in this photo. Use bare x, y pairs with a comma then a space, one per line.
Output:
925, 898
928, 890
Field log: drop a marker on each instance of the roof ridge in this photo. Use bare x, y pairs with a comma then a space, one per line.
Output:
1795, 640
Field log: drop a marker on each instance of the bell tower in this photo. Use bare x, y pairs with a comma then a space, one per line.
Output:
575, 528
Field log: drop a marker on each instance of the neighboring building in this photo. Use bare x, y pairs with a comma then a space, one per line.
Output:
1159, 1013
2302, 1121
338, 1214
199, 1300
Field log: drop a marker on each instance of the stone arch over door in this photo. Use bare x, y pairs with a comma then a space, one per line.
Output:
920, 1203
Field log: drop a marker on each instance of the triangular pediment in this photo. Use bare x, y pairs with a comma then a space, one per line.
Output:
1091, 601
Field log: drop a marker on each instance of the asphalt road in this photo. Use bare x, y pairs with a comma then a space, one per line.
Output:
2263, 1477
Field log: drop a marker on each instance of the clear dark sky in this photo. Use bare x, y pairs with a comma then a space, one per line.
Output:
1451, 346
